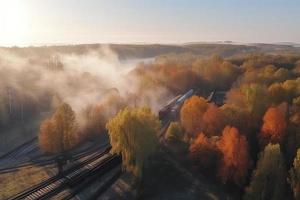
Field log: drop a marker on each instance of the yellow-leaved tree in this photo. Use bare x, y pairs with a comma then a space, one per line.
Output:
133, 134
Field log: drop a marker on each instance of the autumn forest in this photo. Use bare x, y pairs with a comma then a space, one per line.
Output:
232, 121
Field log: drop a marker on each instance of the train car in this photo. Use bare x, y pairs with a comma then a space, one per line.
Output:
185, 96
176, 108
165, 111
172, 108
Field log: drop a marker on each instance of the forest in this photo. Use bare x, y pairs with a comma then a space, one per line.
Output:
251, 141
249, 144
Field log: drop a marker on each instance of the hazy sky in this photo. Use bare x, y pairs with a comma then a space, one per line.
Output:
148, 21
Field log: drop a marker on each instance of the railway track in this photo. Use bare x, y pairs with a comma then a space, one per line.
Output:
25, 147
51, 160
110, 167
76, 177
73, 175
105, 186
80, 176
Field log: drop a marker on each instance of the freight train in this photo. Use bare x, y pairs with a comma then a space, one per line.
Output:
172, 108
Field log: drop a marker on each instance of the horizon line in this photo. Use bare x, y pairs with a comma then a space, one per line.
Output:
228, 42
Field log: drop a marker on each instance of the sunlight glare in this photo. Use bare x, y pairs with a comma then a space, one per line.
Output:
13, 27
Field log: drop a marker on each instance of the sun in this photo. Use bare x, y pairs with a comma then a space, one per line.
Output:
13, 22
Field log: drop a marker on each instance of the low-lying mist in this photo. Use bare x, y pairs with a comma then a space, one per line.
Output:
30, 84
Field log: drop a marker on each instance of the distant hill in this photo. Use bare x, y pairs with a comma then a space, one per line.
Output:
127, 51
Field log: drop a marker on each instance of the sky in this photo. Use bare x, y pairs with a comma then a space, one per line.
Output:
34, 22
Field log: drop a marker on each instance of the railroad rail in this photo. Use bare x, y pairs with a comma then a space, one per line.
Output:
55, 184
13, 153
51, 160
80, 176
79, 186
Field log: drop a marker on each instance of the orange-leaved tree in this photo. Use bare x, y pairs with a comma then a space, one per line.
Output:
59, 133
213, 120
235, 162
204, 153
191, 114
274, 126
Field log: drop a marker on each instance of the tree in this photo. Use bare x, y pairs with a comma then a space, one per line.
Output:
292, 142
268, 181
281, 74
295, 176
238, 117
95, 120
296, 101
251, 98
255, 99
296, 69
191, 114
292, 88
213, 120
96, 116
174, 132
184, 78
274, 126
277, 93
4, 114
133, 134
204, 153
218, 73
59, 133
235, 162
49, 138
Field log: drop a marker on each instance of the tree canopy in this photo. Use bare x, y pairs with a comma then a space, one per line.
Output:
174, 132
133, 134
235, 161
295, 176
268, 181
59, 133
204, 153
274, 126
191, 114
